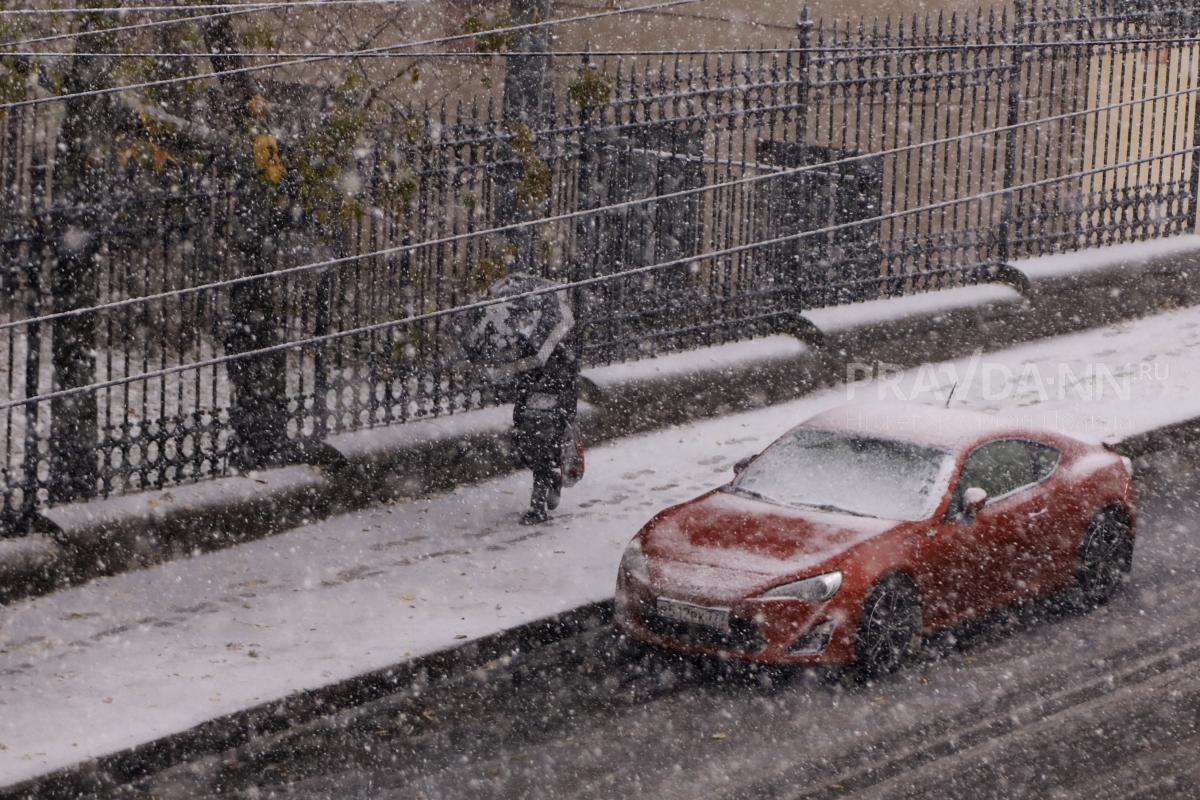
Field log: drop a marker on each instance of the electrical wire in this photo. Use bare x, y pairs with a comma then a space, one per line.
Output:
850, 50
171, 9
120, 28
314, 59
569, 215
688, 260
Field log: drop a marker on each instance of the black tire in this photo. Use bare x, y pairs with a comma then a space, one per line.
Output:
1105, 558
889, 632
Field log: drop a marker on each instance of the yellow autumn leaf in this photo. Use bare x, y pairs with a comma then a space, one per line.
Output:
267, 159
161, 158
258, 106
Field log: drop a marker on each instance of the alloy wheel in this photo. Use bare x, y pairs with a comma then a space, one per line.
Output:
889, 629
1105, 558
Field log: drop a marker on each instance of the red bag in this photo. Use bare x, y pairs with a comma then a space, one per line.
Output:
572, 455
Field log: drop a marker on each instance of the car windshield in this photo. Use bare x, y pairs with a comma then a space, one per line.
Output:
838, 471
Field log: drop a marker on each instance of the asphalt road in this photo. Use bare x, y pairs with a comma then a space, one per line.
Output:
1039, 702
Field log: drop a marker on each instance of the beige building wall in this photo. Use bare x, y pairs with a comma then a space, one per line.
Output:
708, 24
736, 24
1139, 132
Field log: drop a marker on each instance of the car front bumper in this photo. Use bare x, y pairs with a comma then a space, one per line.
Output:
759, 631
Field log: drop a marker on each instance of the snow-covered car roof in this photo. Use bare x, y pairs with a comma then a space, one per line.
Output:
946, 429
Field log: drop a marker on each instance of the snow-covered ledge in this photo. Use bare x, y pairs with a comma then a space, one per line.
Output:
421, 448
716, 360
144, 527
910, 309
675, 388
1125, 257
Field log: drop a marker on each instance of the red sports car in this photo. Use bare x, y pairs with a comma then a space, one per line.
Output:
866, 527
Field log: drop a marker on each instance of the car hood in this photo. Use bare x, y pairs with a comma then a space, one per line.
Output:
724, 546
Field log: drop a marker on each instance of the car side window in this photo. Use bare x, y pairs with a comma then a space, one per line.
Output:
1045, 460
996, 467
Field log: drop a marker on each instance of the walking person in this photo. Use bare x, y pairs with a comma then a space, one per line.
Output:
544, 404
525, 348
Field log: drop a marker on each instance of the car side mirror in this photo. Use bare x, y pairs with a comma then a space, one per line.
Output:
974, 499
740, 465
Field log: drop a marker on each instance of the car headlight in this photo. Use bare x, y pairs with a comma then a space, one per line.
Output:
634, 563
812, 590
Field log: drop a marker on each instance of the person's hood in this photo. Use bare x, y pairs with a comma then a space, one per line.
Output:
723, 547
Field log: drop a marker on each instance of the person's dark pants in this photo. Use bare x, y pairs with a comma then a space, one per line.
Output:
537, 444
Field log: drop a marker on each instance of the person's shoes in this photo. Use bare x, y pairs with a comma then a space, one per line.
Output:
533, 516
555, 493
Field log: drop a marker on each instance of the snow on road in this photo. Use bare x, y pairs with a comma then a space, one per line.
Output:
134, 657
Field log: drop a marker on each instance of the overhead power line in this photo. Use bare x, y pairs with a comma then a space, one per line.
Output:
579, 284
120, 28
235, 9
58, 98
569, 215
172, 9
849, 50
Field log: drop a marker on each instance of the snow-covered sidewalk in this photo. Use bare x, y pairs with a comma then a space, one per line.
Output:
131, 658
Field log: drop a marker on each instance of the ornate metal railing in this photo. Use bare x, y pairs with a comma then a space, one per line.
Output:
882, 116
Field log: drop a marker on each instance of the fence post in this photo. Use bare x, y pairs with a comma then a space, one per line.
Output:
524, 114
587, 225
74, 433
803, 61
259, 402
1017, 54
799, 295
322, 299
1193, 27
32, 454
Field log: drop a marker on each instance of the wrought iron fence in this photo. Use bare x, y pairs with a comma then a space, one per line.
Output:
687, 157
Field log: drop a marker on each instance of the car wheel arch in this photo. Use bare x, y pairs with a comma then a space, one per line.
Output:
904, 575
897, 573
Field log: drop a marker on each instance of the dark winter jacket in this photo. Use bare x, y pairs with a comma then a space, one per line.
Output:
549, 390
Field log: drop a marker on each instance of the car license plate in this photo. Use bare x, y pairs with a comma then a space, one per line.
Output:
679, 611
